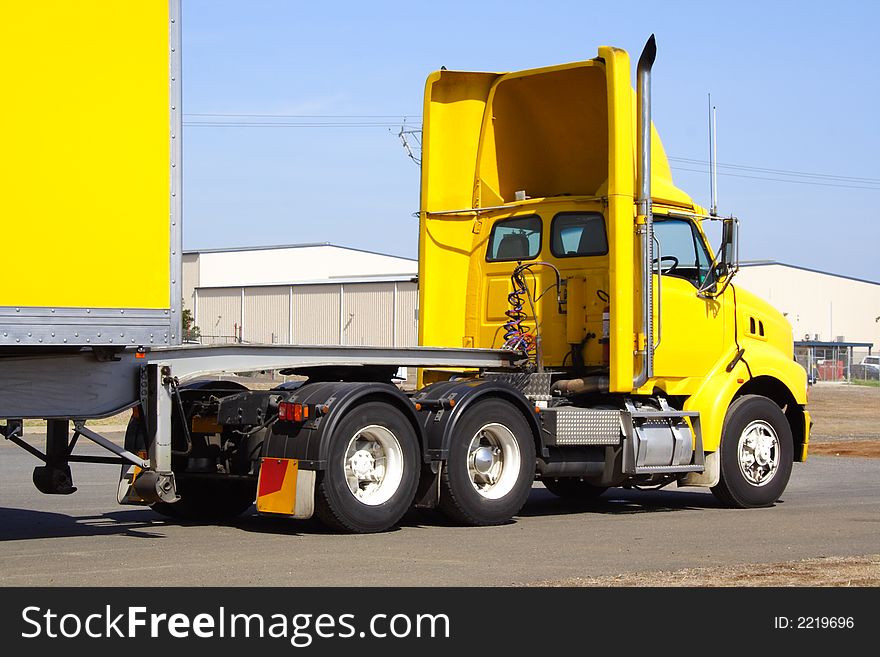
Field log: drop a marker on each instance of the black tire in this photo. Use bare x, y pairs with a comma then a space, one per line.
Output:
756, 454
491, 424
371, 508
573, 488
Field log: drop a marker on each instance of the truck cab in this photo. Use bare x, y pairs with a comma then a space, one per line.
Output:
550, 224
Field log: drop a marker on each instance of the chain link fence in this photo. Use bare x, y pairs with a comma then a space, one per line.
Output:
841, 363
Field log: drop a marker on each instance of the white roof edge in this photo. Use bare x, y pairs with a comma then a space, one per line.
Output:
759, 263
310, 245
397, 278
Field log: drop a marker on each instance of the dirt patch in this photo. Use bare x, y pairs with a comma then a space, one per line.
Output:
862, 448
826, 572
846, 420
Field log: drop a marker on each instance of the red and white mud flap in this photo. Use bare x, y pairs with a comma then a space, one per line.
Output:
284, 489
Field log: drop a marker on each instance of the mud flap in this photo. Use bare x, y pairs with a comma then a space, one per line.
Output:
284, 489
125, 492
709, 476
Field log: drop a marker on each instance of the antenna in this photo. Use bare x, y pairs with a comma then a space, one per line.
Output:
713, 164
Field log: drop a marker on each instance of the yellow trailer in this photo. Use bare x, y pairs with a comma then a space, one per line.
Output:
90, 205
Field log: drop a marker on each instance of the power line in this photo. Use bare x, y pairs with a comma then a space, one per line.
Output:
227, 120
786, 180
395, 120
785, 172
308, 116
303, 124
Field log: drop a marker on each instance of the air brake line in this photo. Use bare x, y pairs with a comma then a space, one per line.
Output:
739, 350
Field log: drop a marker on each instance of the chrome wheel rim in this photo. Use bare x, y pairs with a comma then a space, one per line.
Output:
373, 465
493, 461
758, 453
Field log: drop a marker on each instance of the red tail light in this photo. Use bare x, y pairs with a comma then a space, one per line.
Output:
291, 412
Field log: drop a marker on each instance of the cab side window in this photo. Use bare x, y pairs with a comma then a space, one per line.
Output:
682, 252
515, 239
577, 234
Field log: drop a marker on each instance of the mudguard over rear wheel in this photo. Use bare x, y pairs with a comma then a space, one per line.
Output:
756, 454
491, 465
372, 470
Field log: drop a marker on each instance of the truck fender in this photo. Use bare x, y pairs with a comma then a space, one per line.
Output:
443, 404
309, 442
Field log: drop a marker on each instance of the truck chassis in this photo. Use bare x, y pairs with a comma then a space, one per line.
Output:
362, 450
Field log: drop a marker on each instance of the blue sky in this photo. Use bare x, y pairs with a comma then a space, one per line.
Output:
794, 84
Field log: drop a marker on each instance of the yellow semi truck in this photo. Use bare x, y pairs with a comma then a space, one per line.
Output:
575, 326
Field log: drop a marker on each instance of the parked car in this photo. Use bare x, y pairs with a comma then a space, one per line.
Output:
868, 368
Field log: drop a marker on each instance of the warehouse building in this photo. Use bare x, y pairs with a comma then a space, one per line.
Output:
301, 294
326, 294
835, 319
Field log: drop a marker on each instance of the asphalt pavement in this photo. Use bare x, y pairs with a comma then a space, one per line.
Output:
829, 509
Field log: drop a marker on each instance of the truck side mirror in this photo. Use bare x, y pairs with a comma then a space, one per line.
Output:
726, 262
730, 245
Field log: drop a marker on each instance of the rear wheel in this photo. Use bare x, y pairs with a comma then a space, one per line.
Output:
573, 488
372, 470
756, 454
491, 465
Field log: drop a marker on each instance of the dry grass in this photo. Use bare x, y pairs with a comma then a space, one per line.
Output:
846, 420
825, 572
844, 412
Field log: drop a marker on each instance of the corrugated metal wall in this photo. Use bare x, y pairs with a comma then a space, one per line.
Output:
316, 314
190, 279
368, 314
266, 315
364, 314
407, 314
218, 314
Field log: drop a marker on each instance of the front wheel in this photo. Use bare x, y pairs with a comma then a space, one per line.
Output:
491, 465
756, 454
372, 470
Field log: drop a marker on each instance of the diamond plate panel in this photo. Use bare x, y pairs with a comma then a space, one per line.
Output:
534, 385
584, 426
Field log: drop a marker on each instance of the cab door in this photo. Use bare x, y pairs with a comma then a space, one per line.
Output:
691, 329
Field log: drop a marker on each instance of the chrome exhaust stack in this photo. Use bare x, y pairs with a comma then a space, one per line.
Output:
643, 203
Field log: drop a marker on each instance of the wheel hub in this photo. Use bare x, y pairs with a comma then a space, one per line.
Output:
373, 465
764, 451
363, 465
484, 459
758, 452
493, 461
